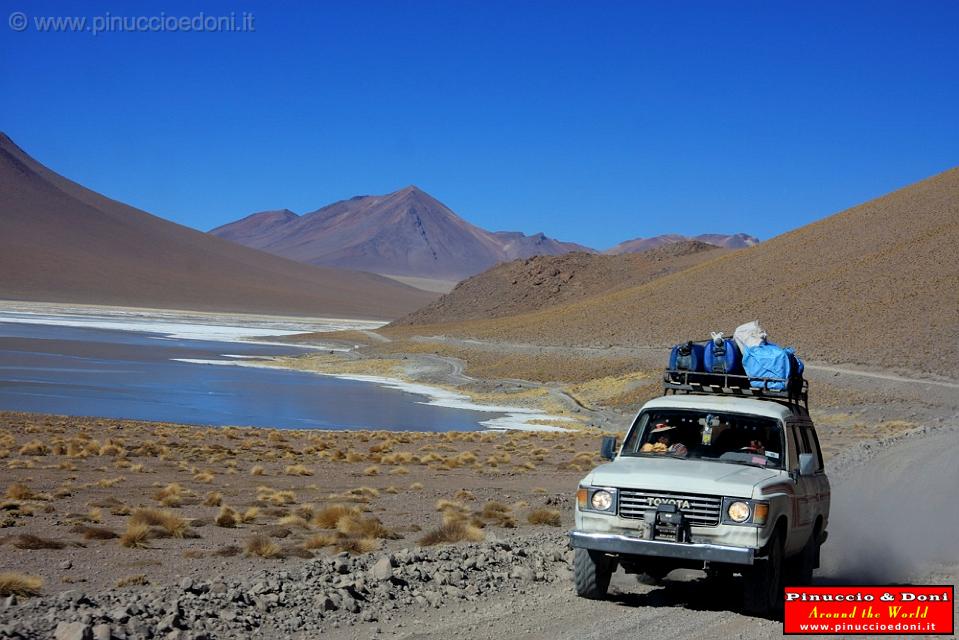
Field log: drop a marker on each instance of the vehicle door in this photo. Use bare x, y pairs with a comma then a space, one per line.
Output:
805, 489
820, 494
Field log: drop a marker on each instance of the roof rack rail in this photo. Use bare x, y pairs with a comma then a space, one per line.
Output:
793, 391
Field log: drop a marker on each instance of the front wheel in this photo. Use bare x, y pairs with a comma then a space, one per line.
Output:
764, 581
591, 573
802, 566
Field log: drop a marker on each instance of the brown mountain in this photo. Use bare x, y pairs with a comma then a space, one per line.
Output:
638, 245
404, 233
61, 242
876, 285
539, 282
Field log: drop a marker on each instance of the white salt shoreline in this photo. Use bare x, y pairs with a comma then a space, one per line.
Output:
516, 418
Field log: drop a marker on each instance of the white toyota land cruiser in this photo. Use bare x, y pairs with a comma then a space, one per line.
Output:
716, 477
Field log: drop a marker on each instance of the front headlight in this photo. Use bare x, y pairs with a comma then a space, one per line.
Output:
596, 499
601, 500
738, 511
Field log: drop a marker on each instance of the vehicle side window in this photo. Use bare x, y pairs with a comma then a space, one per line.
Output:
809, 443
794, 448
814, 441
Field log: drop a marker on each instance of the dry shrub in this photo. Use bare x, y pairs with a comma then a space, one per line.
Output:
364, 492
32, 542
357, 545
111, 482
228, 551
263, 547
452, 532
94, 533
391, 489
371, 471
19, 491
463, 494
320, 540
206, 477
416, 486
19, 584
213, 499
257, 470
171, 523
499, 514
549, 517
139, 580
327, 517
249, 515
34, 448
136, 536
399, 471
112, 449
294, 521
298, 470
357, 527
227, 517
171, 493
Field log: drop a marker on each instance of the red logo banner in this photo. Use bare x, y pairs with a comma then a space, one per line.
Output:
853, 610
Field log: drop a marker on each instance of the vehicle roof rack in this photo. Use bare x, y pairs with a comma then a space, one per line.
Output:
794, 392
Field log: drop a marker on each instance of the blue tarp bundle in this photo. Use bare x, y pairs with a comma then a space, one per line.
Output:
771, 361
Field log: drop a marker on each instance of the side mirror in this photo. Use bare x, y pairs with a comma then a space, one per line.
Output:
607, 450
807, 464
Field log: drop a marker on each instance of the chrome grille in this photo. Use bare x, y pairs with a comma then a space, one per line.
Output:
700, 511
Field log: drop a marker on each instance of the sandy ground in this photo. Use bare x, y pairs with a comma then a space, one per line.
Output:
72, 485
62, 474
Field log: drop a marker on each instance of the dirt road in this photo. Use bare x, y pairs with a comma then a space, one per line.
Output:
893, 520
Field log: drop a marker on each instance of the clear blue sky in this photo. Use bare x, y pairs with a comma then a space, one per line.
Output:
593, 122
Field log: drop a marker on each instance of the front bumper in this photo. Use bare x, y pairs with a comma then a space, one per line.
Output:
615, 543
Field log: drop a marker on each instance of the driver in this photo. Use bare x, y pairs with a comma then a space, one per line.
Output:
754, 446
660, 441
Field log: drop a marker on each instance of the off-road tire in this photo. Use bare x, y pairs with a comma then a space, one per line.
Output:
591, 573
800, 568
764, 582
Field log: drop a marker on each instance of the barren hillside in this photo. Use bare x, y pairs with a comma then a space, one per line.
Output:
64, 243
877, 285
545, 281
404, 233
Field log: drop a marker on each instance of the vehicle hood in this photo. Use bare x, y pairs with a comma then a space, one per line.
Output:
685, 476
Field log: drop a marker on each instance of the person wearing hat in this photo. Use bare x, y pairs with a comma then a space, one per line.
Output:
659, 441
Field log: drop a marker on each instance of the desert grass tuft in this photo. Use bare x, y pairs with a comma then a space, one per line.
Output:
94, 533
32, 542
227, 517
19, 584
320, 540
257, 470
357, 545
171, 523
452, 532
327, 517
357, 527
549, 517
213, 499
139, 580
298, 470
136, 536
263, 547
293, 520
19, 491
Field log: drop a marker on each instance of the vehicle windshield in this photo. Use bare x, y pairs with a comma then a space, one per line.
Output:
703, 435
